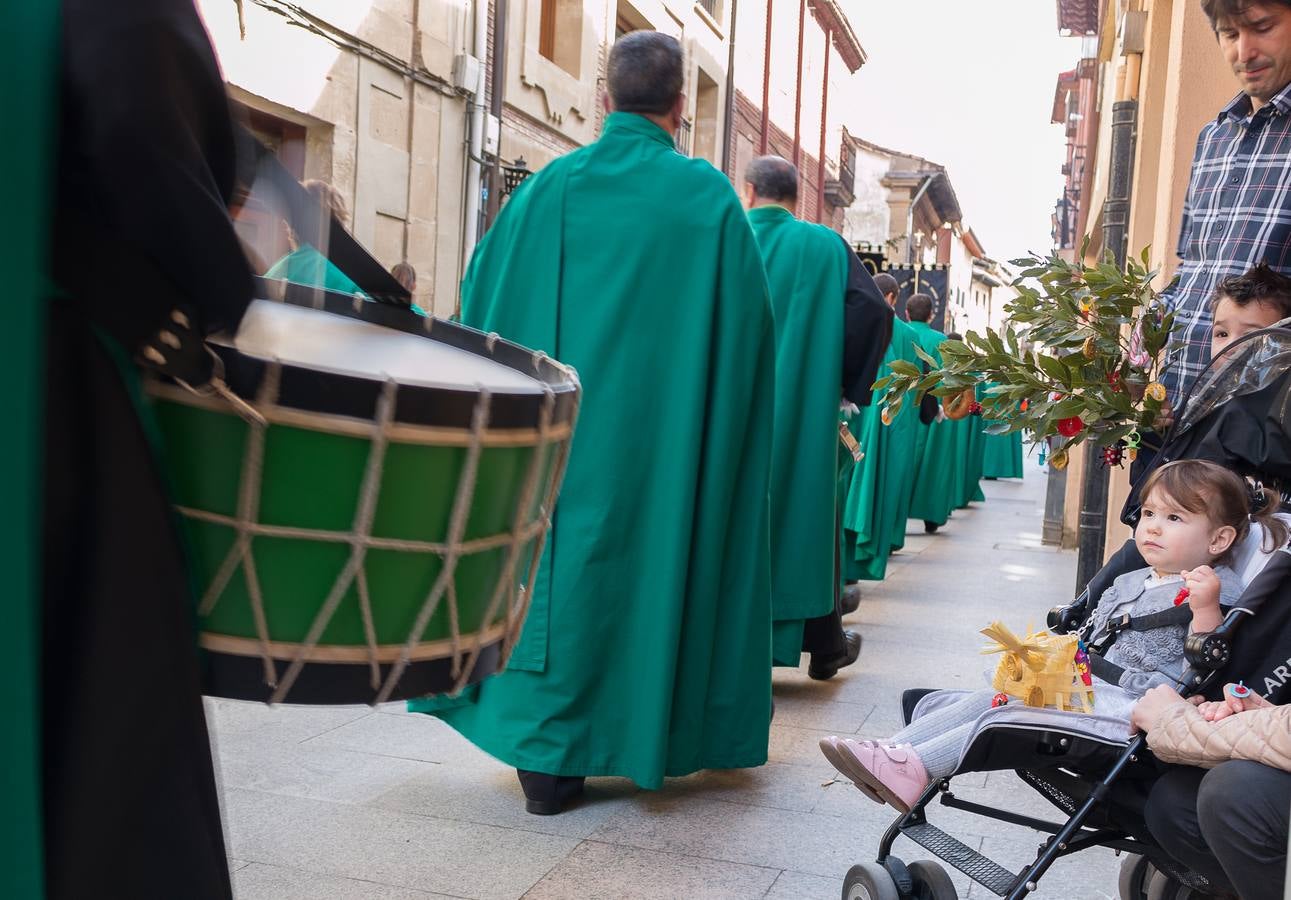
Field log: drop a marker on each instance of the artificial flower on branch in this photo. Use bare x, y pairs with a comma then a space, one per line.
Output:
1079, 358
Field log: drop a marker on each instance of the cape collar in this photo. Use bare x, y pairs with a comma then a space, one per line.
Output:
635, 124
769, 213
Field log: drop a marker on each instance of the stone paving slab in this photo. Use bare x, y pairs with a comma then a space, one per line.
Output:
599, 871
358, 803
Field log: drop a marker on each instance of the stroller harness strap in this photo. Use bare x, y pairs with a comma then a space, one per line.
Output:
1175, 615
1109, 672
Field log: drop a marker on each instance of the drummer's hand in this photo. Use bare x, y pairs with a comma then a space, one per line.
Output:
1152, 706
178, 350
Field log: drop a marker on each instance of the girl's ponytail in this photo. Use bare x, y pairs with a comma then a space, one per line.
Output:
1265, 503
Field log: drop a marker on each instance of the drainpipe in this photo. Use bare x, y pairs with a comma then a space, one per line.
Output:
824, 117
475, 147
766, 86
1116, 218
730, 91
797, 97
495, 103
909, 221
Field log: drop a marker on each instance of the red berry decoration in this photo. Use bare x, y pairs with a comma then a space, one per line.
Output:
974, 408
1114, 381
1070, 427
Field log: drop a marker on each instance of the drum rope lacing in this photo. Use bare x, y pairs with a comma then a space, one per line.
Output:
360, 538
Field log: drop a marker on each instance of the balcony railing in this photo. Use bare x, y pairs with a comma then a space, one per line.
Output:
709, 6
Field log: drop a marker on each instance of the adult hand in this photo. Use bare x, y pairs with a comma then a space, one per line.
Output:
1165, 419
1152, 706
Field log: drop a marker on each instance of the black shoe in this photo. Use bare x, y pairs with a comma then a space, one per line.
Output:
930, 527
823, 671
547, 795
851, 599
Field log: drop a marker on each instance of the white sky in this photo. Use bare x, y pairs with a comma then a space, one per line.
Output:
969, 85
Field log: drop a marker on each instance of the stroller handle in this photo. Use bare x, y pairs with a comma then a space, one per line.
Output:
1066, 619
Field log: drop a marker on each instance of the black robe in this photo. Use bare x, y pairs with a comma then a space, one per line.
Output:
867, 331
141, 227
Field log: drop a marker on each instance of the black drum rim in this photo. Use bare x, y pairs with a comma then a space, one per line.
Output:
353, 396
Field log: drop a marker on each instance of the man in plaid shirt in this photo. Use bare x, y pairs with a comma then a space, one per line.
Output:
1238, 208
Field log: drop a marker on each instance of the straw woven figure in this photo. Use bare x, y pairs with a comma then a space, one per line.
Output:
1040, 669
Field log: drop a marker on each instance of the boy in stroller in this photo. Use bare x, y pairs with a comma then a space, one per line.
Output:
1193, 514
1236, 416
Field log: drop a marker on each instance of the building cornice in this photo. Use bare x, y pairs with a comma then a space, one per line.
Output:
832, 18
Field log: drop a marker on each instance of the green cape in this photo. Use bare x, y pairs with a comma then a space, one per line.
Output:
29, 50
939, 467
878, 497
646, 649
1002, 456
807, 269
305, 265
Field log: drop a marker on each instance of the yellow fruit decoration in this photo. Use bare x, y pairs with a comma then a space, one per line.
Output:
1059, 460
885, 416
1156, 390
1090, 350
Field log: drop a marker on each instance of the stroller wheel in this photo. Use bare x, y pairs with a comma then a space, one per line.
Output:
1136, 872
931, 881
1163, 887
869, 881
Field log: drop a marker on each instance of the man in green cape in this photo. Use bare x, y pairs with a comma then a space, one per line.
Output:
939, 472
646, 649
1001, 453
831, 328
878, 495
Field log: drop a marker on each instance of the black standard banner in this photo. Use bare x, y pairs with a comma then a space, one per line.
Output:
931, 280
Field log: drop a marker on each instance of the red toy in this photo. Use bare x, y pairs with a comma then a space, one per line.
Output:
1181, 596
1000, 699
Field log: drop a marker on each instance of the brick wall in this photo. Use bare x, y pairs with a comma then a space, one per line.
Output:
747, 125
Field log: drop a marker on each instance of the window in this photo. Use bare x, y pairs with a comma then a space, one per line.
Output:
706, 139
261, 230
560, 34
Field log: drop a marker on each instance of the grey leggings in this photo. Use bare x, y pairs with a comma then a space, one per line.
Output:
941, 736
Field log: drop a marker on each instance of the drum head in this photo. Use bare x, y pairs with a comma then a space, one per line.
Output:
344, 345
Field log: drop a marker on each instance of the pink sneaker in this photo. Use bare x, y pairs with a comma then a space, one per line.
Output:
896, 774
845, 762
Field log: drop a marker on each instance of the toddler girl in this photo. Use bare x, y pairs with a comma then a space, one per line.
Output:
1194, 513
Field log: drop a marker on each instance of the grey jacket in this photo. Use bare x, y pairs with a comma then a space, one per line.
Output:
1151, 657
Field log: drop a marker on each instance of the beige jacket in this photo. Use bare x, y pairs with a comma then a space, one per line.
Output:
1183, 736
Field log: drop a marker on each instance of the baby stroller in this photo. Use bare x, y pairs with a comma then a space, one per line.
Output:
1237, 416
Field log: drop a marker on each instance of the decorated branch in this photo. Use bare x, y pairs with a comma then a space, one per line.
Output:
1079, 358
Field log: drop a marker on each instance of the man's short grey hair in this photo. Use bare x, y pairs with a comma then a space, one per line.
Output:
773, 178
646, 73
886, 284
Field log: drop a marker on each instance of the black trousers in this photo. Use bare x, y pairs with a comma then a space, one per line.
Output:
1229, 824
823, 636
130, 804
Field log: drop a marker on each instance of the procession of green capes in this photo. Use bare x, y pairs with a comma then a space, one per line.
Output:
830, 324
878, 492
645, 653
